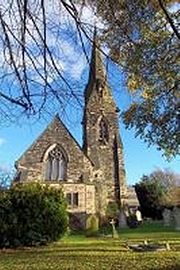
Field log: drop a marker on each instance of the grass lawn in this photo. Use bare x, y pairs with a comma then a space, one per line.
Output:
82, 253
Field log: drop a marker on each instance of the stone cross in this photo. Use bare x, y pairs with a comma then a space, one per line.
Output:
114, 232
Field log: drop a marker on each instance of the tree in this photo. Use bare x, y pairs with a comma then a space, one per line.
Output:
155, 192
170, 182
167, 177
175, 196
142, 37
149, 193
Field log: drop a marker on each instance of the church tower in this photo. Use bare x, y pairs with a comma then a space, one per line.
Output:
101, 138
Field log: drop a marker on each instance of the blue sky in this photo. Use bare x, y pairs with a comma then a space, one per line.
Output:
16, 138
139, 159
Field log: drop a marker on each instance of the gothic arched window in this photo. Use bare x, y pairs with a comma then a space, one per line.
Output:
56, 165
103, 131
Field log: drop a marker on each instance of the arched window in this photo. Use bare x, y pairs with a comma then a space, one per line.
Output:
56, 165
99, 87
103, 131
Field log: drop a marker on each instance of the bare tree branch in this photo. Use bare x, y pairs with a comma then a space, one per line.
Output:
170, 21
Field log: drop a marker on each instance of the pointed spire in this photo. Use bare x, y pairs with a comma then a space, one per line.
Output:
96, 66
57, 116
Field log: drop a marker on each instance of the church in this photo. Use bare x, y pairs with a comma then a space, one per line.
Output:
92, 176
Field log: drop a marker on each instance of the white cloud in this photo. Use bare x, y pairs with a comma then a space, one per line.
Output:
5, 168
78, 68
61, 40
174, 7
2, 141
89, 17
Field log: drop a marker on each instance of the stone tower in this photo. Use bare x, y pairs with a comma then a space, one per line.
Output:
101, 138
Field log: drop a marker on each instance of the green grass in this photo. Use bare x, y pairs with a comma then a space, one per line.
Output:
82, 253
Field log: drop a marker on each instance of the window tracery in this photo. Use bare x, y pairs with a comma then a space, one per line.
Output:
56, 165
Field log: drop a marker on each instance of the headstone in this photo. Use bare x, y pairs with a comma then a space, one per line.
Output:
176, 213
138, 216
167, 217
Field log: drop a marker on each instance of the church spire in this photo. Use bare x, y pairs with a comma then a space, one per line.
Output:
96, 73
101, 139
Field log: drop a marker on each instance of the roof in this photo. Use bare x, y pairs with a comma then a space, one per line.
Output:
58, 121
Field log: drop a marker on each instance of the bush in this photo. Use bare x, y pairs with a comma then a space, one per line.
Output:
92, 226
132, 221
31, 214
112, 210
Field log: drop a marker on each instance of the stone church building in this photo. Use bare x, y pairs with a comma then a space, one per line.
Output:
92, 175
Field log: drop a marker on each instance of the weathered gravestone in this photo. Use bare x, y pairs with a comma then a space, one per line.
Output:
176, 214
168, 217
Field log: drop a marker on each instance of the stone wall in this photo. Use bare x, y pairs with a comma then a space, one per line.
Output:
107, 157
86, 203
86, 194
31, 164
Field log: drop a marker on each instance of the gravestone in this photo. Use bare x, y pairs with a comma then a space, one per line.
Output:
167, 217
176, 213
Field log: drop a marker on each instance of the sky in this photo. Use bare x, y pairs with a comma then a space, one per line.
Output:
16, 138
138, 157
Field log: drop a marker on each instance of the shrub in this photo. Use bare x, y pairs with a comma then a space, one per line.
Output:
92, 225
132, 221
31, 214
112, 210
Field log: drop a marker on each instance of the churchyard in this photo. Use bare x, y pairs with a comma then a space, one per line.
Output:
76, 251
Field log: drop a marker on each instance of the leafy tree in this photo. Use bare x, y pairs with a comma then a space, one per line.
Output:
167, 177
31, 214
155, 191
170, 182
174, 196
149, 193
142, 37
